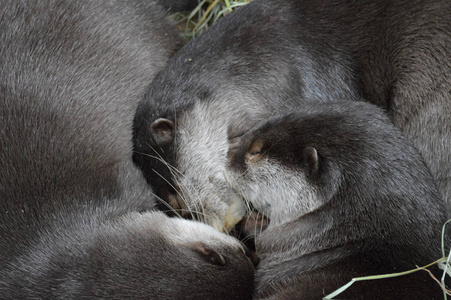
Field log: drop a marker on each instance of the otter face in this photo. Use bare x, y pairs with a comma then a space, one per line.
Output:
274, 173
186, 156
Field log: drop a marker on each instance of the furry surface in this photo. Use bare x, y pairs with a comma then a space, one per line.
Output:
77, 218
269, 57
361, 202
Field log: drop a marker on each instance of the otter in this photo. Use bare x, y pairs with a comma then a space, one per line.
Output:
346, 195
77, 218
270, 57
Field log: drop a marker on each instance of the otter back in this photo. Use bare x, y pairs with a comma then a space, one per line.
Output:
347, 196
270, 57
77, 219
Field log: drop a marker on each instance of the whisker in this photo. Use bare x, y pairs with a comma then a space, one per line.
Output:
281, 105
247, 238
176, 190
182, 195
171, 209
197, 213
174, 172
261, 228
160, 159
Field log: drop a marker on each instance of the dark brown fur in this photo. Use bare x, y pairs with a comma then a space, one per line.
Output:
271, 56
375, 206
77, 219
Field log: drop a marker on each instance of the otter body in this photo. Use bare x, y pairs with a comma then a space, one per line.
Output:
270, 57
77, 219
347, 196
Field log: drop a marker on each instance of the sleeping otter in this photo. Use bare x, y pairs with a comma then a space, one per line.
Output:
272, 56
77, 218
347, 196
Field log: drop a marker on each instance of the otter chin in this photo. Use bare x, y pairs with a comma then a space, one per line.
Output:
347, 196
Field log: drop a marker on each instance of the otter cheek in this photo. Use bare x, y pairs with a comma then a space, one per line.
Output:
263, 207
258, 196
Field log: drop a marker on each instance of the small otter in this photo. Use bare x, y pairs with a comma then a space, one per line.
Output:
347, 196
77, 218
271, 56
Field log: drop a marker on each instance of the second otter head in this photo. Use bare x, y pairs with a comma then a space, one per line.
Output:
278, 173
292, 164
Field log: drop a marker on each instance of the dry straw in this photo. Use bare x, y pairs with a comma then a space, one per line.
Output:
206, 13
443, 263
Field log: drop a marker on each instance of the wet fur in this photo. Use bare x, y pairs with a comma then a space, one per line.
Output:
77, 219
272, 56
374, 206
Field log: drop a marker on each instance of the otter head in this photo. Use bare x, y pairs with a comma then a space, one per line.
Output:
183, 153
275, 171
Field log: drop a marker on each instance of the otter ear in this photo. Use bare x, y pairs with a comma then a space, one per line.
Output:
209, 254
162, 131
312, 161
254, 152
